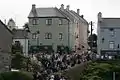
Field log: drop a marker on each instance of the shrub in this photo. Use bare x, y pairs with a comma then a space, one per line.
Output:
15, 76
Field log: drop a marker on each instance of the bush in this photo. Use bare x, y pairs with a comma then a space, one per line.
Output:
102, 70
15, 76
1, 78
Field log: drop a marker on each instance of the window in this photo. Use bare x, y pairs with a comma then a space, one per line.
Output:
49, 21
48, 35
111, 44
77, 36
118, 46
60, 36
60, 22
34, 36
112, 32
103, 40
17, 43
34, 21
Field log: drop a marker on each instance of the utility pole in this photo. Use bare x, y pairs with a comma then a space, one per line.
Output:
91, 23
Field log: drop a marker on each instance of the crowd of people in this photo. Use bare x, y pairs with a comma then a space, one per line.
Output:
57, 62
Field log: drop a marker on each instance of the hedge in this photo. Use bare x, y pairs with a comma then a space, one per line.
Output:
15, 76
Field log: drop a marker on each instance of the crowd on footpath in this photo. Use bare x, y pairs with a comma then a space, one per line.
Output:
56, 62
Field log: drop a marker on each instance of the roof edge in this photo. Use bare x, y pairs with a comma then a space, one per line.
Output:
111, 18
6, 27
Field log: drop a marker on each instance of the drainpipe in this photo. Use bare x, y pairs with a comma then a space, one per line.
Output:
68, 34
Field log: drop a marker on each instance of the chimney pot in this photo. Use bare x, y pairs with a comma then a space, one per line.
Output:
33, 6
100, 14
78, 11
99, 17
62, 7
68, 7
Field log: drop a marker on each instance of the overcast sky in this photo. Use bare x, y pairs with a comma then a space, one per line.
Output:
19, 9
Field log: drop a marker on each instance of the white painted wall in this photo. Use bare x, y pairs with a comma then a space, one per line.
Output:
24, 43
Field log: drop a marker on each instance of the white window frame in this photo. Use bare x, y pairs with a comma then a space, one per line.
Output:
49, 21
60, 36
60, 21
48, 35
112, 33
111, 44
34, 21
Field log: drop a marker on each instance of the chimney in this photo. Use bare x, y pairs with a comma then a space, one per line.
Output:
33, 7
78, 11
82, 16
62, 7
100, 16
34, 10
68, 7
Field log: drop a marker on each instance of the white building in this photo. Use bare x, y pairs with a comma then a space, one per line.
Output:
20, 35
108, 35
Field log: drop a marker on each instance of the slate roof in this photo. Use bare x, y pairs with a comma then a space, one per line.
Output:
6, 27
55, 12
110, 22
46, 12
68, 15
20, 34
78, 16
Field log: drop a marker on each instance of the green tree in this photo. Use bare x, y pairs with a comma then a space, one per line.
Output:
17, 47
94, 39
17, 61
